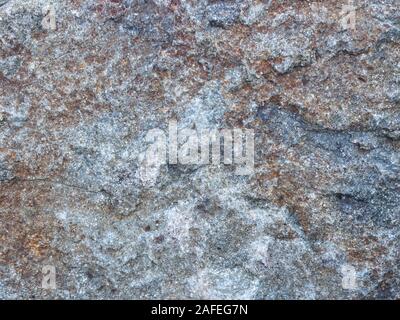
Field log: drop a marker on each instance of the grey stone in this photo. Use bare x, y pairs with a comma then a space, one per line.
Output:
77, 103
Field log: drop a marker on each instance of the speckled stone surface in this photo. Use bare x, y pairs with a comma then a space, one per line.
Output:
77, 98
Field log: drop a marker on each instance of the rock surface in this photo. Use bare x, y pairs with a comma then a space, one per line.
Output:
77, 100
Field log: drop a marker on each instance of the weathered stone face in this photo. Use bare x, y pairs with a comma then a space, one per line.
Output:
82, 82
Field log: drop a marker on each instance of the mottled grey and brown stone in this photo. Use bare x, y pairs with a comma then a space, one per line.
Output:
76, 104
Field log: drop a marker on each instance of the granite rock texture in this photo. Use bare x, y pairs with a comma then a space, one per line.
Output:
77, 100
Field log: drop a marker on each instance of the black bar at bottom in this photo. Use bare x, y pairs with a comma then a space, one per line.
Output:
198, 309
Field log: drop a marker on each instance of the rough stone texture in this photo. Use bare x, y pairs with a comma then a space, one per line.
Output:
75, 106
